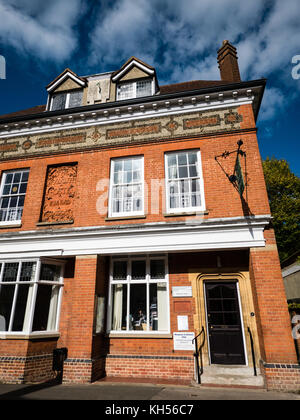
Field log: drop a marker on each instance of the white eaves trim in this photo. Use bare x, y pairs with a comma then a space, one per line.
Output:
192, 235
133, 63
119, 114
62, 78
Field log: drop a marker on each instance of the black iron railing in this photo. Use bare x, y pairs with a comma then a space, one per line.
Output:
252, 351
198, 354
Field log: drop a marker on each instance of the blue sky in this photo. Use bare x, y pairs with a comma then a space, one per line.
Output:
179, 37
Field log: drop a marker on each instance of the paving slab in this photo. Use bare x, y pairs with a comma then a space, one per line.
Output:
134, 392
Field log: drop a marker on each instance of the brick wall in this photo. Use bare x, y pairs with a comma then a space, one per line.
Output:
95, 165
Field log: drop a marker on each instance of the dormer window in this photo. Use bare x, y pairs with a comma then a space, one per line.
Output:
134, 89
65, 100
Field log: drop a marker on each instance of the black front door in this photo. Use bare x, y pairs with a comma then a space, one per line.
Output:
224, 324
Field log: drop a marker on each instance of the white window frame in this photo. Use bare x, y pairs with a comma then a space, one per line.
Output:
67, 104
111, 185
134, 85
190, 209
16, 222
128, 282
31, 300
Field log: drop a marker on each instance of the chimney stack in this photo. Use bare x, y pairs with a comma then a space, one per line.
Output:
228, 63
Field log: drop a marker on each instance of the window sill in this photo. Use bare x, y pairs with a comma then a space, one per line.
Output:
4, 225
32, 336
187, 213
139, 335
139, 216
67, 222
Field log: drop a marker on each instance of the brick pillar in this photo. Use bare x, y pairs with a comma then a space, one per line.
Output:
274, 326
78, 366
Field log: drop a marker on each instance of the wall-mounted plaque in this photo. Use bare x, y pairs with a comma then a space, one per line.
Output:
183, 341
182, 291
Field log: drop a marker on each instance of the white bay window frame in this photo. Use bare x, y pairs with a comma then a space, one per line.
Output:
198, 178
129, 282
122, 185
34, 283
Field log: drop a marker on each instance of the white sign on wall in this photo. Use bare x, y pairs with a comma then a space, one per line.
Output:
183, 341
182, 291
182, 322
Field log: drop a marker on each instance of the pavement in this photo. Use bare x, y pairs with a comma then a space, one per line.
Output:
135, 392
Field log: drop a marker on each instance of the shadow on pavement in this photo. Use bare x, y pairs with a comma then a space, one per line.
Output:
18, 394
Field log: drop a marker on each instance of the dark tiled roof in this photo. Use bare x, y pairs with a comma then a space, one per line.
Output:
28, 111
192, 85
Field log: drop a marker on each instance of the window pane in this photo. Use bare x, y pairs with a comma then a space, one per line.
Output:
138, 270
119, 307
59, 101
28, 271
25, 176
21, 306
50, 272
23, 188
6, 189
120, 270
183, 172
182, 159
6, 300
192, 158
157, 269
193, 171
17, 177
75, 98
125, 91
158, 307
143, 88
4, 203
45, 308
10, 272
138, 312
9, 178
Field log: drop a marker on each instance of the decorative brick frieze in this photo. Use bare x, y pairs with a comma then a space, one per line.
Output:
122, 133
192, 123
8, 147
128, 132
57, 141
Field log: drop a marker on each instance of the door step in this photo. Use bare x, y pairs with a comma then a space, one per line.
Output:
231, 376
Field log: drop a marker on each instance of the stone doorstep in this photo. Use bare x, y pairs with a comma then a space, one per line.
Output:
231, 376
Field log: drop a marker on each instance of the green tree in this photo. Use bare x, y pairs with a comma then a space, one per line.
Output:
284, 196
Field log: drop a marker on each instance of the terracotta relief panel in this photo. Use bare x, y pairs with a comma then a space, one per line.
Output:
59, 194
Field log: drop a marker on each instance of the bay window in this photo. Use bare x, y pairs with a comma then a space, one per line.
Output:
30, 294
184, 182
139, 295
127, 186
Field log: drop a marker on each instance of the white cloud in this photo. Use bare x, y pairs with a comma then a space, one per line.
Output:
43, 29
181, 39
273, 101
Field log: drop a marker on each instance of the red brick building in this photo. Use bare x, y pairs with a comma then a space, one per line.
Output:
134, 216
